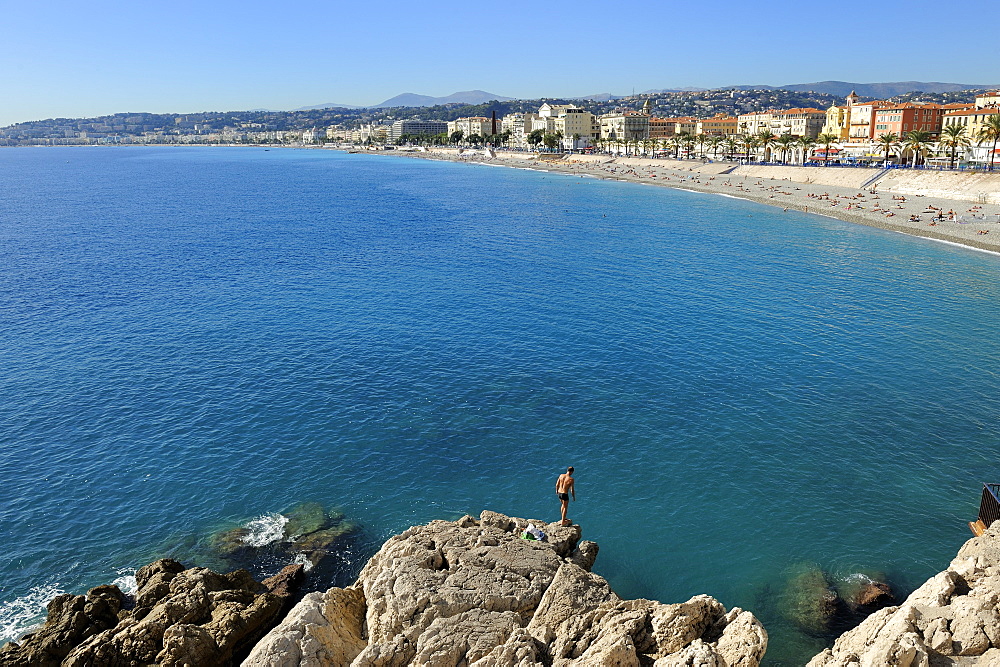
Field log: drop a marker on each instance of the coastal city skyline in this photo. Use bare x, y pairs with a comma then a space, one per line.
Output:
60, 62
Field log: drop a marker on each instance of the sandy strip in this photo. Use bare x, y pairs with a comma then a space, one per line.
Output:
971, 225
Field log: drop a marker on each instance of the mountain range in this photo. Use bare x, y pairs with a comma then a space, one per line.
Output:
464, 97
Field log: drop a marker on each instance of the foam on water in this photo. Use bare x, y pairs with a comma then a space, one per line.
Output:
303, 560
27, 612
265, 529
126, 580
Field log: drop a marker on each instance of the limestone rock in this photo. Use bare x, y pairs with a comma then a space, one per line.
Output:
473, 592
322, 629
953, 618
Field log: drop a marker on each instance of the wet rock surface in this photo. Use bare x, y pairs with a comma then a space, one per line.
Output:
178, 616
474, 592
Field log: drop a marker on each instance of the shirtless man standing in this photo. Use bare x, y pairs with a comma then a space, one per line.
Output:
564, 487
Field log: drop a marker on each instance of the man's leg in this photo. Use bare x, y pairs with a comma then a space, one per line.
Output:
564, 507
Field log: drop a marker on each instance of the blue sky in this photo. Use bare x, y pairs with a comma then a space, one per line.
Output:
72, 59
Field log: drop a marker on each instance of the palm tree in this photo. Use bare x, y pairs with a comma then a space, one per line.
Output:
701, 144
785, 143
748, 142
888, 141
731, 144
990, 131
919, 142
826, 140
664, 144
713, 143
765, 139
806, 142
953, 137
685, 140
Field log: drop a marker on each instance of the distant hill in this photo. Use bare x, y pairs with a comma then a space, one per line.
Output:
844, 88
328, 105
656, 91
464, 97
599, 97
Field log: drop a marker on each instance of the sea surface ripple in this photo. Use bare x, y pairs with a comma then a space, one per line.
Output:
197, 337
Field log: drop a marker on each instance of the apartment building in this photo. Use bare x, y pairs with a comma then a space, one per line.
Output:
899, 119
719, 125
625, 125
477, 125
417, 127
799, 122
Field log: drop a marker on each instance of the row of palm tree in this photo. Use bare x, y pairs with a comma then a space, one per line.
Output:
918, 144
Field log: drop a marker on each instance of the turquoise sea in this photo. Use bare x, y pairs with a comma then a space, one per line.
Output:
194, 338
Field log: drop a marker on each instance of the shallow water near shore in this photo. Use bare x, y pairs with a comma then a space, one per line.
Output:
196, 338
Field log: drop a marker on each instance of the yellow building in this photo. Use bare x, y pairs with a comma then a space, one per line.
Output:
576, 126
719, 125
971, 119
838, 122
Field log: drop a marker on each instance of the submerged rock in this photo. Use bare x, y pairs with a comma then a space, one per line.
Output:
810, 600
308, 534
954, 618
180, 617
473, 592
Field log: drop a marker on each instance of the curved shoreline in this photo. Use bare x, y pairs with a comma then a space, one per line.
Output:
728, 180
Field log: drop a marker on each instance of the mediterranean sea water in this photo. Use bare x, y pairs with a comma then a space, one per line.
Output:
199, 337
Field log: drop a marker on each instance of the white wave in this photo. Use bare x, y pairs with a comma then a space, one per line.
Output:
300, 559
265, 529
858, 578
26, 612
126, 580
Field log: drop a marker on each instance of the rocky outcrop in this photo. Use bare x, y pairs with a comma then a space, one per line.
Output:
72, 620
474, 592
178, 617
953, 619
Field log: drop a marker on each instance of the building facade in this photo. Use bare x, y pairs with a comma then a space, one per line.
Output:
719, 125
417, 127
800, 122
624, 125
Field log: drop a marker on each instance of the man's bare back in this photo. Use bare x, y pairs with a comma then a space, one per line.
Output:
565, 486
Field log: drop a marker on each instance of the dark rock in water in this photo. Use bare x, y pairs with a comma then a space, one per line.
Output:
286, 582
182, 617
72, 619
874, 595
810, 601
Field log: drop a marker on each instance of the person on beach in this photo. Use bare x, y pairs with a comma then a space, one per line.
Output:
564, 487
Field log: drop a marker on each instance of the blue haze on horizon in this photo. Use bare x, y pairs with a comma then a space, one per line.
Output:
64, 59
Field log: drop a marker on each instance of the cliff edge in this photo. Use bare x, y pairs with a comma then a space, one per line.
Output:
953, 619
476, 592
